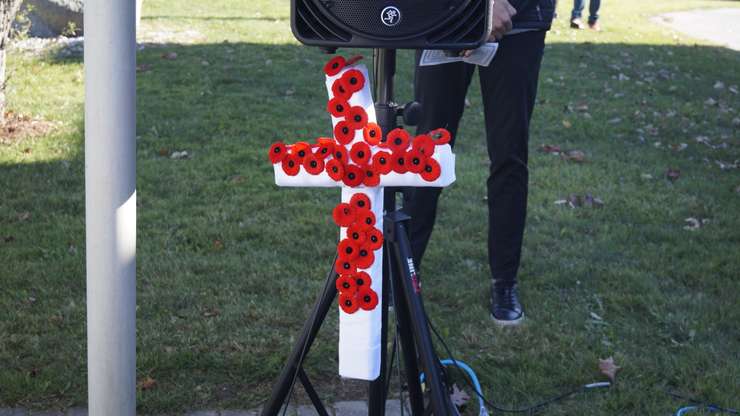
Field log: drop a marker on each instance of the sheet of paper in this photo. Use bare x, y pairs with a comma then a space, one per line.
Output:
481, 56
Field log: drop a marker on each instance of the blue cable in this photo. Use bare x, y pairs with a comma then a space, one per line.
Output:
688, 409
473, 378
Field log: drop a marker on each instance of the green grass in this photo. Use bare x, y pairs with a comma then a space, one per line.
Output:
216, 322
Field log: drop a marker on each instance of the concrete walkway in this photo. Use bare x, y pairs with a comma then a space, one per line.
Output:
355, 408
720, 26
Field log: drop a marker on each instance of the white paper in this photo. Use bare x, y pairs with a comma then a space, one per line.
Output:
481, 56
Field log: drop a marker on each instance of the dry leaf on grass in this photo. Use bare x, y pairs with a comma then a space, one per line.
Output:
574, 156
170, 56
458, 397
547, 148
608, 368
147, 384
673, 174
578, 201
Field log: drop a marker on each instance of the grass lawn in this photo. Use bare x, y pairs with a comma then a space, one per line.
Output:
229, 265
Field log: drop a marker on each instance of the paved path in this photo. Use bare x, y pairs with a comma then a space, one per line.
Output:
356, 408
721, 26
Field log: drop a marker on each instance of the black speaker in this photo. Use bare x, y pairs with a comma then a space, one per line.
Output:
391, 24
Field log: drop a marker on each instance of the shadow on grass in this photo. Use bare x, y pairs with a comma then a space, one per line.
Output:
229, 265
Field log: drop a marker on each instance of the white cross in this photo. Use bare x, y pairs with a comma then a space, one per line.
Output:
360, 332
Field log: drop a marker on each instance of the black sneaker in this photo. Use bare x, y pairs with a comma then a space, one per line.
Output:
505, 307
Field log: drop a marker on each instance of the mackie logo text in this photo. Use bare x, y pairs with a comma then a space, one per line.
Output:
391, 16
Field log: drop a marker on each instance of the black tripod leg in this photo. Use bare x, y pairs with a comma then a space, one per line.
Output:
378, 392
408, 346
308, 334
395, 230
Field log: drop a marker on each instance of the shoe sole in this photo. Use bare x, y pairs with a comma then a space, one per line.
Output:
515, 322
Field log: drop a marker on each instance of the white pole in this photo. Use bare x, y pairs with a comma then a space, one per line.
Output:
110, 202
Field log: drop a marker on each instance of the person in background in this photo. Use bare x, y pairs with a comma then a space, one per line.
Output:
509, 89
593, 14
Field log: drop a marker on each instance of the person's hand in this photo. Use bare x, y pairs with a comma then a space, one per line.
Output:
502, 12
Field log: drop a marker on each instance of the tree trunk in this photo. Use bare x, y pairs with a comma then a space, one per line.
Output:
8, 10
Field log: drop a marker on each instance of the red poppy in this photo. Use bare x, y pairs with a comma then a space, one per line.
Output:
346, 284
382, 162
357, 117
440, 136
356, 234
367, 298
340, 154
424, 144
340, 90
398, 139
415, 161
374, 239
301, 149
362, 279
353, 80
344, 132
372, 176
335, 65
325, 147
431, 170
359, 201
313, 165
348, 303
372, 134
365, 219
348, 249
365, 258
344, 215
335, 169
291, 164
353, 176
398, 162
344, 266
277, 152
338, 107
360, 153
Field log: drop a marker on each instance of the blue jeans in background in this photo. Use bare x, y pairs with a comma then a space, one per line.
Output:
593, 9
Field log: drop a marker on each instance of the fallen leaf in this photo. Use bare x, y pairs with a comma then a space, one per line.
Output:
590, 202
733, 89
615, 120
237, 179
144, 67
673, 174
164, 152
693, 224
458, 397
27, 150
574, 156
179, 155
170, 56
710, 102
608, 368
719, 85
582, 108
646, 176
567, 124
289, 92
23, 216
679, 147
218, 245
211, 312
147, 384
546, 148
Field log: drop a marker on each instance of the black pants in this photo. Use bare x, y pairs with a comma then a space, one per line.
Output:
509, 88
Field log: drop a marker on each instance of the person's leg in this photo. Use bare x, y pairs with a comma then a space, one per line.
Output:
578, 6
509, 88
593, 10
441, 90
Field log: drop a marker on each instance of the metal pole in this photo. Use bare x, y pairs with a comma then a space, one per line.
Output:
110, 203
